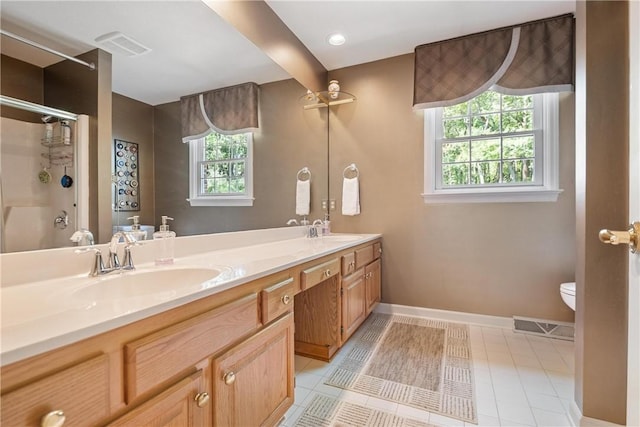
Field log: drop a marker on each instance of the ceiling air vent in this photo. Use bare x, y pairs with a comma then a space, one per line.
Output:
122, 44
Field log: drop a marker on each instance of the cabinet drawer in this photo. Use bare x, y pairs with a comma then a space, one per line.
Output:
364, 256
377, 250
277, 299
81, 392
314, 275
160, 356
348, 263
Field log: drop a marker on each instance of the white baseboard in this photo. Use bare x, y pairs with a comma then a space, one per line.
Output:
578, 420
574, 414
446, 315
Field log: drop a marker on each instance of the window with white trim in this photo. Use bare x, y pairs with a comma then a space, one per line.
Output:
492, 148
221, 170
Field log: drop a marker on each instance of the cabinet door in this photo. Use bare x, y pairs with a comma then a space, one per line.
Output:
354, 306
185, 404
253, 382
78, 395
372, 274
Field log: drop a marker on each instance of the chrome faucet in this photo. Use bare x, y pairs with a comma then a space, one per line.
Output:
98, 267
114, 262
83, 237
292, 221
313, 229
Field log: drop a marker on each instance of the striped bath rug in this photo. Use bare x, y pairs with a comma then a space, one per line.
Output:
417, 362
324, 411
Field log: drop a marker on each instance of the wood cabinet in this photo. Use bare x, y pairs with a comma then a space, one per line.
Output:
354, 304
185, 404
156, 358
79, 395
253, 382
319, 273
277, 299
332, 306
225, 359
317, 318
372, 278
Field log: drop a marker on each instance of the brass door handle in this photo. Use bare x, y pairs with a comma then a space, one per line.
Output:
202, 399
229, 378
53, 419
629, 237
286, 299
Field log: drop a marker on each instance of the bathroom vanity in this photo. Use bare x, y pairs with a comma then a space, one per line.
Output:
220, 354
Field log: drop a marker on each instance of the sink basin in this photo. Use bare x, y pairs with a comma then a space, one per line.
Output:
162, 284
338, 238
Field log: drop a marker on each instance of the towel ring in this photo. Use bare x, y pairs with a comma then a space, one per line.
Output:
351, 168
304, 173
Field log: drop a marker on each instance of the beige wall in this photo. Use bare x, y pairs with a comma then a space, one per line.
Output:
133, 122
289, 139
74, 87
495, 259
602, 202
23, 81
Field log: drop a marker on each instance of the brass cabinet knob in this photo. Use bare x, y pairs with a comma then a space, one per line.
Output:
327, 273
229, 378
286, 299
202, 399
53, 419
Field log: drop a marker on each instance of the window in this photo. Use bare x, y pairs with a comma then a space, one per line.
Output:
492, 148
221, 170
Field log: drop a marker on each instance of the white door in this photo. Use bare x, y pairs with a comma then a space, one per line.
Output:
633, 370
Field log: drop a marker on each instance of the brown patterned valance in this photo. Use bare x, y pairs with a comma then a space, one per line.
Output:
229, 110
529, 58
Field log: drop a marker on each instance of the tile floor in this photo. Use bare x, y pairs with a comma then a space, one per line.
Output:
520, 380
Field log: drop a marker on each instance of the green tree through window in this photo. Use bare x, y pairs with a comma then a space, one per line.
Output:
223, 168
488, 140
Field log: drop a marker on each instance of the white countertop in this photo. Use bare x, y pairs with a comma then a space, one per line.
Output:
39, 316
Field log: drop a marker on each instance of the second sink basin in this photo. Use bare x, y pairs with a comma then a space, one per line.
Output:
341, 238
161, 284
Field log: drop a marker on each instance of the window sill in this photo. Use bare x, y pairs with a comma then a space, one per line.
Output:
221, 201
487, 195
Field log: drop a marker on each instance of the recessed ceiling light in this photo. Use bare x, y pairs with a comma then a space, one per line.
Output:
336, 39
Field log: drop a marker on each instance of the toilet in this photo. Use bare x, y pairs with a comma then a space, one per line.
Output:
568, 294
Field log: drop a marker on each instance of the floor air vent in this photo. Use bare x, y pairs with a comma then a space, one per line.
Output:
545, 328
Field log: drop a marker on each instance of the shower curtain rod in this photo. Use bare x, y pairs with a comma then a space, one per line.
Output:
91, 65
36, 108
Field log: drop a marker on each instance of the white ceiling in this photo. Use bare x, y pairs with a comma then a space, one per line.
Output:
194, 50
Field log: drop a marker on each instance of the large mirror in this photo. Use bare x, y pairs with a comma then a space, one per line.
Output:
122, 108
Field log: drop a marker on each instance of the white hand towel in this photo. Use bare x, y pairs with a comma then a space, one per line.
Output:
350, 197
303, 197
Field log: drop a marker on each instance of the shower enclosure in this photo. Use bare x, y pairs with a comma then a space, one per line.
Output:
43, 185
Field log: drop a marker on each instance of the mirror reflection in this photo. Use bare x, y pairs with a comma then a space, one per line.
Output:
288, 139
37, 191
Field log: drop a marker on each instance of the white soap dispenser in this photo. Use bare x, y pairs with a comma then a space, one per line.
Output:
136, 232
326, 225
167, 240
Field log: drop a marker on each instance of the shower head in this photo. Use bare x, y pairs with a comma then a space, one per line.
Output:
46, 119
